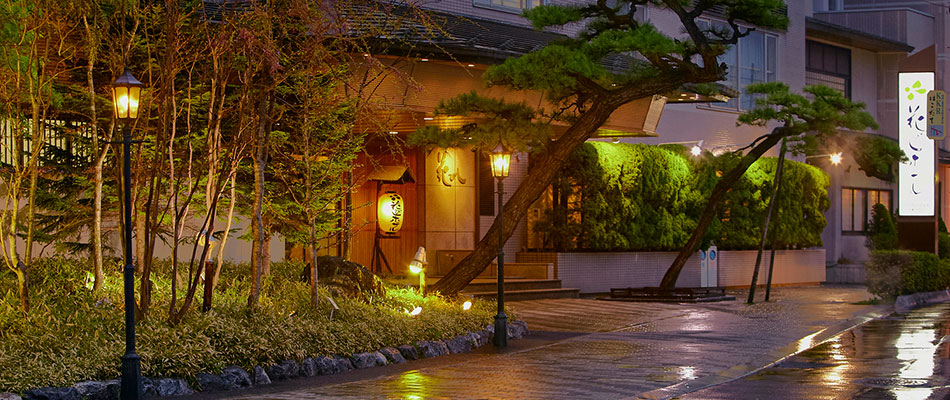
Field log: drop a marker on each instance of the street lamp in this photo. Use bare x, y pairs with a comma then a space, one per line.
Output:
418, 266
834, 158
126, 92
500, 160
695, 150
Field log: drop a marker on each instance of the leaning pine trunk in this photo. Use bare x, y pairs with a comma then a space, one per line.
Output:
535, 182
712, 204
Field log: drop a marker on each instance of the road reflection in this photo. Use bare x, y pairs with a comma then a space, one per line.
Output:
900, 357
916, 351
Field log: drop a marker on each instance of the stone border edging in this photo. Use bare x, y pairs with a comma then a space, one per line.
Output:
233, 377
911, 301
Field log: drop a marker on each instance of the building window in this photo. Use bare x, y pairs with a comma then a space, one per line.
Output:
828, 65
751, 61
856, 206
827, 5
509, 5
486, 186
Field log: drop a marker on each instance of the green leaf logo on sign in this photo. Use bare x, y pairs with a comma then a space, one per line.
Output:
914, 88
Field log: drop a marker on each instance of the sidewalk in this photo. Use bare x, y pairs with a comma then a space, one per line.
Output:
603, 350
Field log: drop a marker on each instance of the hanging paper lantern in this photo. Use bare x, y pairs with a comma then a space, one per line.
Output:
389, 213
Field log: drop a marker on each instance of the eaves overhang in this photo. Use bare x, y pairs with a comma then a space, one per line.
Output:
834, 33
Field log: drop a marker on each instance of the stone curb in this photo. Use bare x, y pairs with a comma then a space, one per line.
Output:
233, 377
911, 301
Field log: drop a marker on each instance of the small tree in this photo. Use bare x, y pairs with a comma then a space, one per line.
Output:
804, 119
882, 231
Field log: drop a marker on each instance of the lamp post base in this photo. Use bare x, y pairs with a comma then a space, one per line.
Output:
501, 330
131, 377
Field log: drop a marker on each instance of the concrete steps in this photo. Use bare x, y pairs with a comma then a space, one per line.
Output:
521, 289
488, 285
532, 294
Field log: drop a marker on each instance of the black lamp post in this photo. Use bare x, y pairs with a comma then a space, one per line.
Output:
126, 91
500, 159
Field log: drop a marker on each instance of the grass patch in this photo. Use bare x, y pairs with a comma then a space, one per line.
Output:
73, 334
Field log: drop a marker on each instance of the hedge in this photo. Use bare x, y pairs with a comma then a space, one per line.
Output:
891, 273
636, 197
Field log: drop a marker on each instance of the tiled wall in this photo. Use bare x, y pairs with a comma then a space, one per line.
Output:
791, 266
599, 272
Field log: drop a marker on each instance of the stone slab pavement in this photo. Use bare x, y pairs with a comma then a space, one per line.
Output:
590, 349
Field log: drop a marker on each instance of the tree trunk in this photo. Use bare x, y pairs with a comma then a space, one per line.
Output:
257, 224
347, 216
219, 261
765, 222
265, 255
97, 178
534, 183
712, 204
140, 234
23, 284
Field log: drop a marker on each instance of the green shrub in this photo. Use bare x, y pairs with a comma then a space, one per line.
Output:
636, 197
73, 334
943, 245
882, 230
891, 273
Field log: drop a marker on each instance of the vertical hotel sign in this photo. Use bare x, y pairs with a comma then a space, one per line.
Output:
916, 187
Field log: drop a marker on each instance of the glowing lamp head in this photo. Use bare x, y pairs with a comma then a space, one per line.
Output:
415, 267
835, 158
500, 159
466, 306
126, 92
415, 311
418, 262
390, 213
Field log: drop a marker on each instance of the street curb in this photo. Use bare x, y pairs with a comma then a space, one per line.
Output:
911, 301
778, 355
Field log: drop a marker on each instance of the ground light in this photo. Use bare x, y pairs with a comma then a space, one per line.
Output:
418, 266
500, 161
126, 93
415, 311
466, 306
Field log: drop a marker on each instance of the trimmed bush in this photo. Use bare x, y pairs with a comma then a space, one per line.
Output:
636, 197
882, 231
891, 273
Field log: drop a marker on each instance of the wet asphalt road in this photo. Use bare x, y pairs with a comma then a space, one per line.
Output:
902, 357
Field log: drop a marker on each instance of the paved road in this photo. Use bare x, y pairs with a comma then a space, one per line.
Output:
589, 349
902, 356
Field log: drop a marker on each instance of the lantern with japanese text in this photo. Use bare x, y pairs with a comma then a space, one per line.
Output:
390, 212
